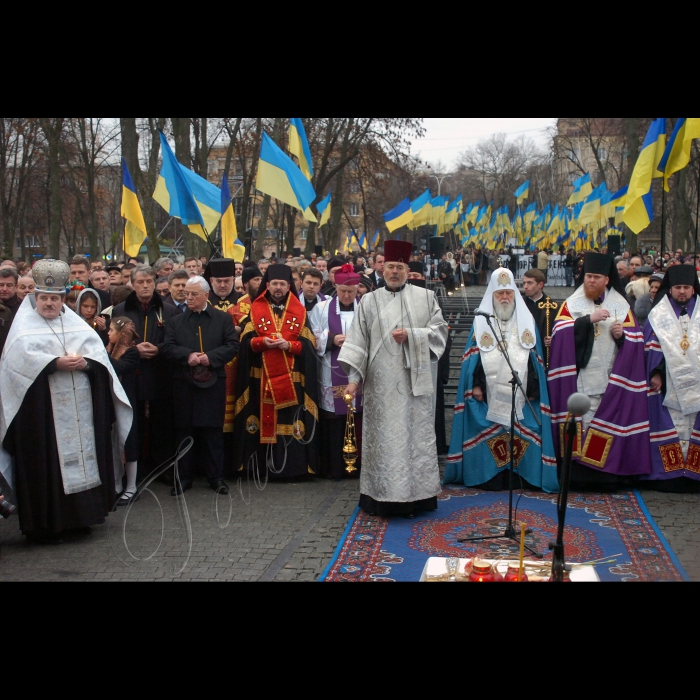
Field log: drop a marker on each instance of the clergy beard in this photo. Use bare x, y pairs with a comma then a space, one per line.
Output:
504, 312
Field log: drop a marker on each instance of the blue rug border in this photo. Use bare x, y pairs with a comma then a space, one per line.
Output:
339, 548
659, 534
640, 500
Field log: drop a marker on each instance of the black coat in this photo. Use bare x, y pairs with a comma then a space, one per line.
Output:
540, 316
127, 368
154, 380
198, 407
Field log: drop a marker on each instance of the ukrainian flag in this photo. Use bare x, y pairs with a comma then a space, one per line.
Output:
187, 196
421, 210
582, 188
639, 208
232, 248
523, 192
677, 155
591, 209
363, 239
299, 147
324, 210
280, 178
135, 230
399, 216
377, 236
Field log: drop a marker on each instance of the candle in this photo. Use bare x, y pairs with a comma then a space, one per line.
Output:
201, 343
522, 551
145, 331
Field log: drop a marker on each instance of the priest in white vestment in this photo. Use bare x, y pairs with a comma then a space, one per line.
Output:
393, 346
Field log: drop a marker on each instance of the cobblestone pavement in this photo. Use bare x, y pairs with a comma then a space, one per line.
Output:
286, 532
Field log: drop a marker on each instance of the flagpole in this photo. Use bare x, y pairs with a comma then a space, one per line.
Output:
663, 221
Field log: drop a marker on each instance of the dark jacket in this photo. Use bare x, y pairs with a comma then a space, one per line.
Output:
6, 318
154, 380
540, 316
196, 406
13, 304
169, 301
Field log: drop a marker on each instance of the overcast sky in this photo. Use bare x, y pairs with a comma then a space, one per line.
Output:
445, 138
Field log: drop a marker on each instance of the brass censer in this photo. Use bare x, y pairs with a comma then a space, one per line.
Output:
350, 445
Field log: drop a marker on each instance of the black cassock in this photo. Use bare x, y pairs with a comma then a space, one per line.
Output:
43, 506
291, 457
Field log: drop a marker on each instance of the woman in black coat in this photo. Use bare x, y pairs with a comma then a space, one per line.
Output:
126, 361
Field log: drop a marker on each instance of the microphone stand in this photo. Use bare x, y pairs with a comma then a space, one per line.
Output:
557, 548
516, 383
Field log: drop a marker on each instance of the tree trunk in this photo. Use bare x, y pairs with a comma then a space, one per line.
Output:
183, 153
52, 128
291, 229
632, 139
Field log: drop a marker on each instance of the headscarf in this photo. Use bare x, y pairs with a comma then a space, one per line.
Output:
92, 292
502, 279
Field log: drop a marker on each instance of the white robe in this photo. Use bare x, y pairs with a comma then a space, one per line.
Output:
399, 447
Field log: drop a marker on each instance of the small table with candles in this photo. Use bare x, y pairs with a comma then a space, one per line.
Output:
439, 569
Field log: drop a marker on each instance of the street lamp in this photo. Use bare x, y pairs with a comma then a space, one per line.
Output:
440, 180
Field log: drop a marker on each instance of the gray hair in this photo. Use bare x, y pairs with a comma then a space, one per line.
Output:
158, 265
143, 270
204, 285
626, 263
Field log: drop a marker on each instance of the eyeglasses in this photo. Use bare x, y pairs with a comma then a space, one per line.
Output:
193, 294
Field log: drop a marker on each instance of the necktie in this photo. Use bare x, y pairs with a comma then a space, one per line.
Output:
183, 308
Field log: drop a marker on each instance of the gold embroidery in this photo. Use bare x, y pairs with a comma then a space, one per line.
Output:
596, 448
503, 279
299, 430
311, 406
528, 338
306, 333
486, 341
253, 425
693, 463
672, 457
577, 441
500, 450
285, 430
242, 402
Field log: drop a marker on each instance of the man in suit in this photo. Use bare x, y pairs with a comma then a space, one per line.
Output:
533, 289
178, 295
198, 346
377, 276
145, 308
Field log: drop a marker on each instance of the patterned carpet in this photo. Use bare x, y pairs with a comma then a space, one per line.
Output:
598, 527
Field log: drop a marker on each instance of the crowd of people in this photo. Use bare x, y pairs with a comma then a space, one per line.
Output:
108, 369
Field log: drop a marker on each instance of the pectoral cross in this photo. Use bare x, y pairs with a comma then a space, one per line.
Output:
548, 306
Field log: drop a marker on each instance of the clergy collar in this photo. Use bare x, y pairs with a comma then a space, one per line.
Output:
395, 291
678, 308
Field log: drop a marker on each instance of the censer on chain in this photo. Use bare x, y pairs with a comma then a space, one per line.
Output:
350, 445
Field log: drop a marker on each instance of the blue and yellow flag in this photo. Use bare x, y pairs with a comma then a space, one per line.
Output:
400, 215
677, 154
591, 209
324, 210
231, 247
421, 210
639, 207
135, 230
280, 178
523, 192
377, 236
299, 147
582, 188
187, 196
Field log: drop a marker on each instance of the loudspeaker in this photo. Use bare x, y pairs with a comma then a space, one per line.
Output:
437, 247
615, 245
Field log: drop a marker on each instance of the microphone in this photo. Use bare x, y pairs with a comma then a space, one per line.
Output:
479, 312
578, 405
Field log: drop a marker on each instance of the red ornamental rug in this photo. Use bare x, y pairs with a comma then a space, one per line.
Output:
599, 527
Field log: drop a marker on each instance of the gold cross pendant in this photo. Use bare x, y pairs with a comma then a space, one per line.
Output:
597, 331
685, 345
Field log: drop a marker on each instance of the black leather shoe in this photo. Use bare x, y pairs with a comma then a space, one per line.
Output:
179, 489
220, 487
